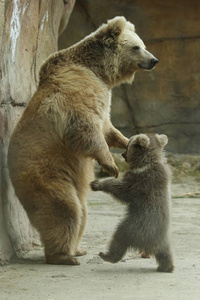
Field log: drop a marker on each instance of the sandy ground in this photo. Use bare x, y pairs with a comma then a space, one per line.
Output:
132, 278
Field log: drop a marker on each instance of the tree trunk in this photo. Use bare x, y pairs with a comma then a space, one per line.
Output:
29, 32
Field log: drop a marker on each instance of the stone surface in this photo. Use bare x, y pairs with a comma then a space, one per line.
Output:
165, 100
6, 250
21, 234
28, 34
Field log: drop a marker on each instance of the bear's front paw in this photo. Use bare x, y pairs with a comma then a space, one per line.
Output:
94, 185
111, 169
123, 143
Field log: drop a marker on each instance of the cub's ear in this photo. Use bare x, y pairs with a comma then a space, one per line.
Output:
162, 139
116, 25
141, 140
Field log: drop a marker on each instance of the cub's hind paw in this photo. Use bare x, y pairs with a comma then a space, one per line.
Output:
168, 269
109, 258
104, 256
145, 255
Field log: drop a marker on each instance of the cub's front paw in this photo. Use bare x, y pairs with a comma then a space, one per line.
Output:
94, 185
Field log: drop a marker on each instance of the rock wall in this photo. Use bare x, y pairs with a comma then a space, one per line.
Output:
28, 34
165, 100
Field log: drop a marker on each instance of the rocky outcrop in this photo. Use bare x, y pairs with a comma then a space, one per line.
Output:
165, 100
28, 34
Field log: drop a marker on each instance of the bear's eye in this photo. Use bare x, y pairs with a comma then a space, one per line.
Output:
136, 48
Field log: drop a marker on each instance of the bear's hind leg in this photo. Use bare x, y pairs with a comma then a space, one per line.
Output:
118, 247
78, 251
60, 244
58, 222
164, 259
115, 253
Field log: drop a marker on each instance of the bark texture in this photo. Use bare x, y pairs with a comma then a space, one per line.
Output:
165, 100
29, 32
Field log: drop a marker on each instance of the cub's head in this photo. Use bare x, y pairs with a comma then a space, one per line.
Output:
126, 52
145, 149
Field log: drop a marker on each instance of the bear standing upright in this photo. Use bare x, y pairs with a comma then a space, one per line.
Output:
65, 126
145, 189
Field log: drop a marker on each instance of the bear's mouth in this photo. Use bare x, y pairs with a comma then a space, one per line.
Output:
144, 66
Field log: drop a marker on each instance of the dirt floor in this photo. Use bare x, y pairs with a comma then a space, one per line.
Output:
133, 277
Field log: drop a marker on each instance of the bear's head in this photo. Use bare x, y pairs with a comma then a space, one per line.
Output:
145, 149
114, 52
124, 51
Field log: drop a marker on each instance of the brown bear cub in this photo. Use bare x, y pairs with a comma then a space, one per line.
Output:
65, 126
145, 190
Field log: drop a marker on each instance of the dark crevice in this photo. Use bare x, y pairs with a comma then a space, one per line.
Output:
89, 20
169, 123
18, 104
13, 104
126, 100
33, 66
40, 3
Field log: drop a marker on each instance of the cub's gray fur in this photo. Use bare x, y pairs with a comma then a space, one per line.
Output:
145, 190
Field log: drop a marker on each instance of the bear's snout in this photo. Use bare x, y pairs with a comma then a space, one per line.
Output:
148, 65
153, 62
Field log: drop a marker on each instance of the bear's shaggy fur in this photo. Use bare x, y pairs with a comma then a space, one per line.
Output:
65, 126
145, 190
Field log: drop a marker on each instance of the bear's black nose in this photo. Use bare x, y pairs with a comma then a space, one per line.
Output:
154, 61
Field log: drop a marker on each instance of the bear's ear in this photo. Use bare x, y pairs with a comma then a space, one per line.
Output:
116, 25
162, 139
110, 31
141, 140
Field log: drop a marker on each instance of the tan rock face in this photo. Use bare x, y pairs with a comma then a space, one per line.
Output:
28, 35
165, 100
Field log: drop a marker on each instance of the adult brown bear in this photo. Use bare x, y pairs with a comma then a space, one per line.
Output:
65, 126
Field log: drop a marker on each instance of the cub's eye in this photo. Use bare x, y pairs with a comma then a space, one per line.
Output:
136, 48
